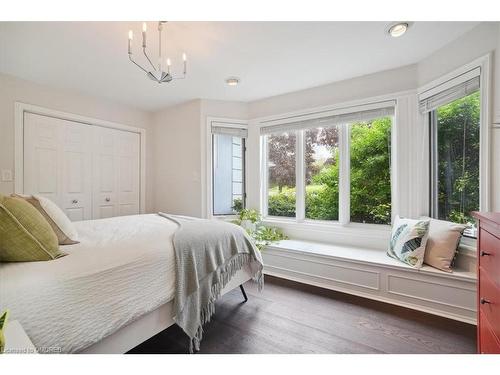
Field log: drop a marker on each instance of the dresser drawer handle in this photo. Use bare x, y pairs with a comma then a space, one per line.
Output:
483, 301
74, 201
484, 253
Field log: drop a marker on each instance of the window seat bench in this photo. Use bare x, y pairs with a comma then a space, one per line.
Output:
371, 273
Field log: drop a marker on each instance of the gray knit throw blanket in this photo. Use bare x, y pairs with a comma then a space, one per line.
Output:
207, 254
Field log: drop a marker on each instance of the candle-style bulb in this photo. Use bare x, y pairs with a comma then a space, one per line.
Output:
184, 58
169, 62
144, 34
130, 37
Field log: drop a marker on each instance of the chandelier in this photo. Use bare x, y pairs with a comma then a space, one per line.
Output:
156, 73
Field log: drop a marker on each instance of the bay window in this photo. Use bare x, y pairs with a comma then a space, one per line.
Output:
334, 168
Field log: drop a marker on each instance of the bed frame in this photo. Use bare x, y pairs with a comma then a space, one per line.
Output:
153, 323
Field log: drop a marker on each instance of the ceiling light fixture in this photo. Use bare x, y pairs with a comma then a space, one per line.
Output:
156, 74
232, 81
398, 29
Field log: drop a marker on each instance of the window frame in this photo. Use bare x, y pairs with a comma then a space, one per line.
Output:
344, 131
441, 84
434, 171
208, 168
243, 178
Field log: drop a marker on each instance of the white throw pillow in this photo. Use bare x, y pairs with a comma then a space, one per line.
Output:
408, 240
442, 244
62, 225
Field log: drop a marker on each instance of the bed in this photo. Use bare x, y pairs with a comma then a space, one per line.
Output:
113, 291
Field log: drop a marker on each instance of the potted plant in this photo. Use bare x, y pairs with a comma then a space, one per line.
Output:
251, 221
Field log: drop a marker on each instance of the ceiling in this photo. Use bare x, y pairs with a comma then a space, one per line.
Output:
270, 58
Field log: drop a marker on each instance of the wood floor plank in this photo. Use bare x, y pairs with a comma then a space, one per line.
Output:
289, 317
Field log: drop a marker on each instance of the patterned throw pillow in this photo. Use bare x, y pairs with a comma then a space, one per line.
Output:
408, 240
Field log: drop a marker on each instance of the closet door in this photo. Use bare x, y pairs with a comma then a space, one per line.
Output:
128, 172
105, 183
115, 173
42, 156
57, 163
76, 171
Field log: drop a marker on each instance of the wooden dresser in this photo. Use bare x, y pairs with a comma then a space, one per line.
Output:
488, 296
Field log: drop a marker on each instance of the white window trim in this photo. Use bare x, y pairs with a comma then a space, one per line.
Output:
484, 64
344, 168
226, 122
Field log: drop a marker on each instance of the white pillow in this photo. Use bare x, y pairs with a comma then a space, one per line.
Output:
408, 240
62, 225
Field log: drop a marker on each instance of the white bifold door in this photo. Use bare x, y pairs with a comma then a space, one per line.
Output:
116, 173
89, 171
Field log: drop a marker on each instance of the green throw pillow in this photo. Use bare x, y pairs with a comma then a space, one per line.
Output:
3, 323
25, 235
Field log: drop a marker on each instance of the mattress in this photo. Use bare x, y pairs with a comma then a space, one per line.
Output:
122, 268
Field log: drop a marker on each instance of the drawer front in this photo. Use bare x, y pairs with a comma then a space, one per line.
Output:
488, 344
489, 255
489, 302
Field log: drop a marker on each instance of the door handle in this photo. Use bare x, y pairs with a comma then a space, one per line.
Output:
484, 253
483, 301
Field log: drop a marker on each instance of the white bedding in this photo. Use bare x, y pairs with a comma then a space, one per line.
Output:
122, 268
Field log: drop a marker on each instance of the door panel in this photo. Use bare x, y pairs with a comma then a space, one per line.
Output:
42, 151
77, 177
128, 179
105, 173
116, 173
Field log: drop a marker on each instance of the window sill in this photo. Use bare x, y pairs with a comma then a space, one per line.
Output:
326, 225
333, 231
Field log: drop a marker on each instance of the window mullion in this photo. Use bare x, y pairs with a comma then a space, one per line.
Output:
433, 164
344, 174
300, 176
265, 175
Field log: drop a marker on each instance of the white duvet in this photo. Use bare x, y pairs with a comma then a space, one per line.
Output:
122, 268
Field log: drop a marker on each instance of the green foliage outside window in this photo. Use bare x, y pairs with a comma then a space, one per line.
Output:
370, 154
370, 180
458, 159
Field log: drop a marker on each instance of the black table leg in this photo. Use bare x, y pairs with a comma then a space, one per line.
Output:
243, 292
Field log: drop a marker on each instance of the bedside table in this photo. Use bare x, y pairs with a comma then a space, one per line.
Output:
16, 340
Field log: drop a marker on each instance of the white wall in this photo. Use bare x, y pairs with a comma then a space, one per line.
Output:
400, 79
476, 43
13, 89
177, 174
180, 152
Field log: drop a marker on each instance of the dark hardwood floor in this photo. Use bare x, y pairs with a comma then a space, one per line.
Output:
289, 317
